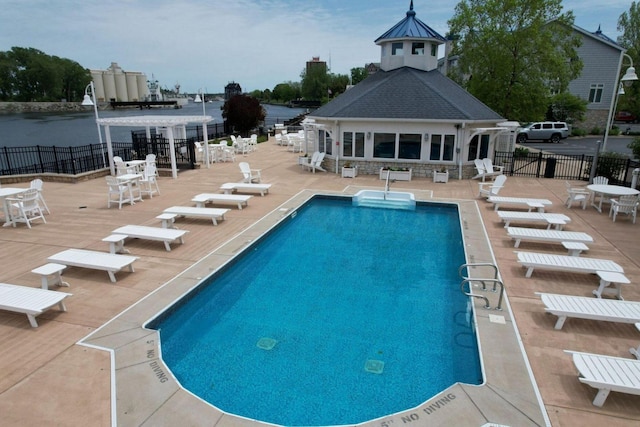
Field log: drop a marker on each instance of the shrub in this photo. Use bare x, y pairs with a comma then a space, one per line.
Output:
578, 132
595, 131
635, 147
520, 152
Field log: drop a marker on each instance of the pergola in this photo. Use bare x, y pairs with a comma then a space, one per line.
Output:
168, 122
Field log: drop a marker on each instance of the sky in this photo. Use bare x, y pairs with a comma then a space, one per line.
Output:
204, 44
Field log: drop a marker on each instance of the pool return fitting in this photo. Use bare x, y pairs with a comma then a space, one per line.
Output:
495, 280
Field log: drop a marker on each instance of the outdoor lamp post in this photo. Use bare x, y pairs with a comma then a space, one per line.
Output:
629, 77
87, 100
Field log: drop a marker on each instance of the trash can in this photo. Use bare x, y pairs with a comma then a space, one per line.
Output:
550, 168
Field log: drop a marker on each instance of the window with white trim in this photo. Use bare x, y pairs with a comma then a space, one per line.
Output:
353, 144
479, 147
442, 147
384, 145
396, 48
595, 92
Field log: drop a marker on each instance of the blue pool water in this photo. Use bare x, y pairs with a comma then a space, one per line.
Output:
341, 315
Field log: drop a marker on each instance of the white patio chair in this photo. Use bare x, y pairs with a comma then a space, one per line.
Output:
37, 184
248, 174
601, 180
150, 159
488, 189
625, 204
26, 208
149, 181
576, 194
118, 189
121, 167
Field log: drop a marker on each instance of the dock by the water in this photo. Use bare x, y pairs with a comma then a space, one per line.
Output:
144, 104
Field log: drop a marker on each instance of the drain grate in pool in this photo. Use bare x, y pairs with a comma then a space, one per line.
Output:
266, 343
374, 366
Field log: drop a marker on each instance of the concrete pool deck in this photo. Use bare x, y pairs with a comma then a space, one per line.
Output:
49, 379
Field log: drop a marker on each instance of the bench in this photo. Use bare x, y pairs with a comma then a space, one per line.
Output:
111, 263
165, 235
221, 199
245, 187
212, 213
30, 301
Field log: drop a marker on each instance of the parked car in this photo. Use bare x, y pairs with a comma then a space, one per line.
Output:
545, 131
626, 117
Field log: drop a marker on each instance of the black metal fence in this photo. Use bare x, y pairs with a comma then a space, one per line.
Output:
579, 167
87, 158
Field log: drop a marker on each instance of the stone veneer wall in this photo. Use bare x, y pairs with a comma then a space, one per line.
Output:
418, 170
29, 107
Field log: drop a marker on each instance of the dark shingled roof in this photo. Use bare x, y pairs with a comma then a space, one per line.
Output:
407, 93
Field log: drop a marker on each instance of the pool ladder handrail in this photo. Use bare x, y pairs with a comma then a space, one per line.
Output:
495, 280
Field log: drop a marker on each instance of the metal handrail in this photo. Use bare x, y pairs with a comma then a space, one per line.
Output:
493, 280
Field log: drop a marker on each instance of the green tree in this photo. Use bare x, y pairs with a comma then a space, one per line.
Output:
358, 74
510, 50
629, 26
566, 107
337, 84
285, 92
243, 113
27, 74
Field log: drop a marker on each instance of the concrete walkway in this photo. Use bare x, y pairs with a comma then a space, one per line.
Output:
48, 379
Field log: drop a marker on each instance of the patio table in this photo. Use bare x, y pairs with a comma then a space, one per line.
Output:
608, 190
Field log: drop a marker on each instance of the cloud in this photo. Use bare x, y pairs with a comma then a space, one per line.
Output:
206, 44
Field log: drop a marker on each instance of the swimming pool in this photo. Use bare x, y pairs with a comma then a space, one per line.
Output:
278, 351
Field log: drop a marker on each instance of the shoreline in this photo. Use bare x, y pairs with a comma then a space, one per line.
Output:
39, 107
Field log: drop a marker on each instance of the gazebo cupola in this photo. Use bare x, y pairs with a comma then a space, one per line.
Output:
410, 43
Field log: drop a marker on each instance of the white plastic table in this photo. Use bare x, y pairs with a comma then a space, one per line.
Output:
8, 192
609, 190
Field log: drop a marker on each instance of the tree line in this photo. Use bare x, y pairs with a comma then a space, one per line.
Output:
28, 75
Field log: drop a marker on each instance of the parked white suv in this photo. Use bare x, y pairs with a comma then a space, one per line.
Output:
545, 131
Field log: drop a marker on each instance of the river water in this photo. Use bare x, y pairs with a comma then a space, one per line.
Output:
67, 129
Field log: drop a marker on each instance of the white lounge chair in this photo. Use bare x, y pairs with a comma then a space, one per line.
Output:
528, 203
30, 301
551, 219
625, 204
607, 374
221, 199
608, 310
215, 214
576, 194
537, 235
249, 175
245, 187
165, 235
533, 260
111, 263
488, 189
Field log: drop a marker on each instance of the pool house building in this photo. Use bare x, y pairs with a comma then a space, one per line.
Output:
409, 115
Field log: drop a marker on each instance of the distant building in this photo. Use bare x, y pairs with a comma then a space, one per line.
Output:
408, 114
232, 89
372, 68
315, 63
114, 84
